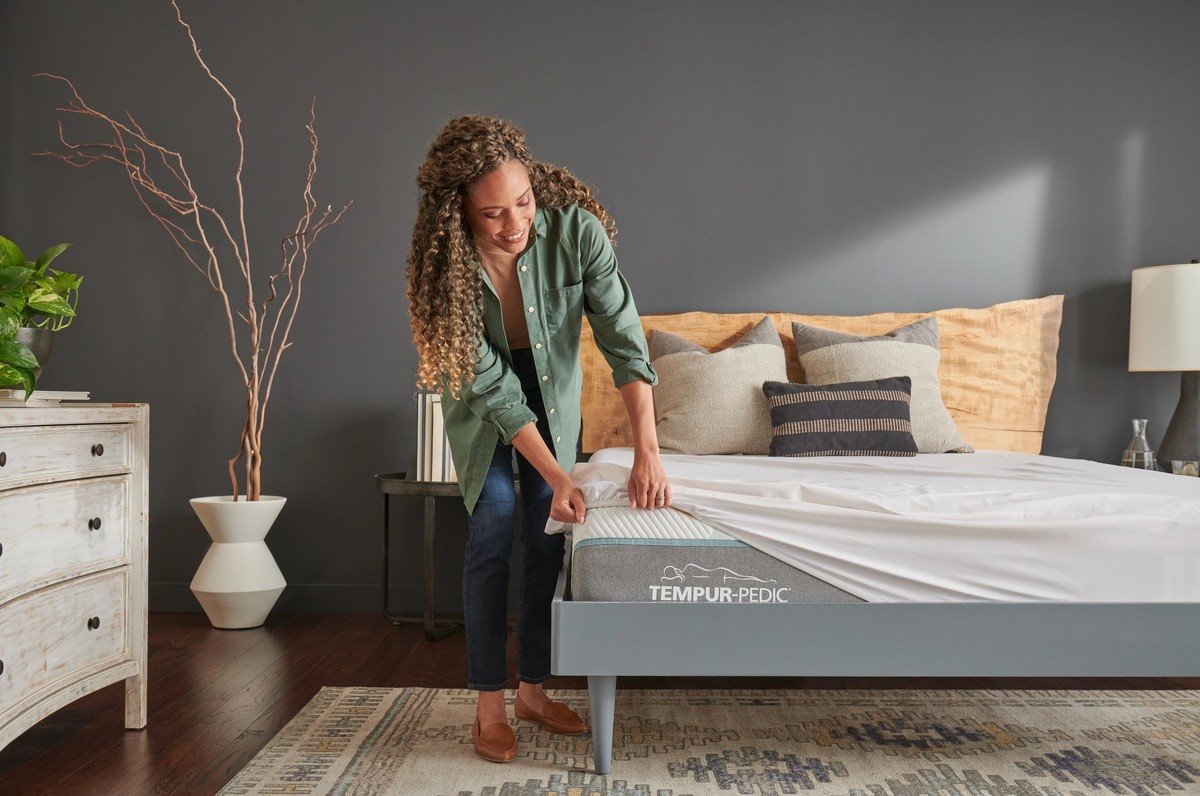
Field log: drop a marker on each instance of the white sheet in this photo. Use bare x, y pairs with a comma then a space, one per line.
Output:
991, 525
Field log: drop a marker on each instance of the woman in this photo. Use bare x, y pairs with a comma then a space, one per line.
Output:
507, 254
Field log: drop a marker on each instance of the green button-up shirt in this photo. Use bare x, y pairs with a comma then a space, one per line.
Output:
569, 269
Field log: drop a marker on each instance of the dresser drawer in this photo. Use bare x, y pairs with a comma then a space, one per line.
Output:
47, 640
57, 531
57, 453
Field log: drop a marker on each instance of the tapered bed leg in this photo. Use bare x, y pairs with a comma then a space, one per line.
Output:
602, 696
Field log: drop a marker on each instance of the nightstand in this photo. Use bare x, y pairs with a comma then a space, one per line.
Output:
395, 484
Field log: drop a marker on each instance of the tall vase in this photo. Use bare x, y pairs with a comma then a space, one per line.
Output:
238, 581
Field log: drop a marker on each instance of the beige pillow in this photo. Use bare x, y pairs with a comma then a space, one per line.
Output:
713, 402
830, 357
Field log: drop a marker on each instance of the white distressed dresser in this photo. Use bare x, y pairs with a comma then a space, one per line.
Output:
73, 536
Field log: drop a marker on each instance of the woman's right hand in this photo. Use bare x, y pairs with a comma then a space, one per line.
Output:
568, 505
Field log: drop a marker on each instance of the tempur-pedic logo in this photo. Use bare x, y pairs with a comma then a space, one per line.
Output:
694, 583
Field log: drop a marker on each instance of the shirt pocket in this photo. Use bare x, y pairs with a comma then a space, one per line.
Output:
563, 308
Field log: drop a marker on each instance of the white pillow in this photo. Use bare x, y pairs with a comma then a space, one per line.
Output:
833, 357
708, 402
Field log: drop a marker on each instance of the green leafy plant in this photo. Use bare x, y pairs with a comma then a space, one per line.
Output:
35, 295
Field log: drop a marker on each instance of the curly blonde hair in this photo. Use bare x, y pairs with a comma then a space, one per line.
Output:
445, 289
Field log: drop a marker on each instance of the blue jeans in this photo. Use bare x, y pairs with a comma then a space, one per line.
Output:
489, 546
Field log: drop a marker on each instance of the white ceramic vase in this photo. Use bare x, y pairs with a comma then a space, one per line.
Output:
238, 581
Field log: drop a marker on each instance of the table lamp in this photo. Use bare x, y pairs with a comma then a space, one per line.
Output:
1164, 334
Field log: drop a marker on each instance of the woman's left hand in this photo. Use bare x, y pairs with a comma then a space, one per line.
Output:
648, 484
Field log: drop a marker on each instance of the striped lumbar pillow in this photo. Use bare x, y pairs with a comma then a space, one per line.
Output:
862, 418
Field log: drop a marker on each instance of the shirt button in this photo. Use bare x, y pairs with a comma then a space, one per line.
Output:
531, 309
558, 439
551, 410
545, 378
537, 345
524, 268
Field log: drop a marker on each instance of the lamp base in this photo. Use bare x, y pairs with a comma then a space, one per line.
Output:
1182, 441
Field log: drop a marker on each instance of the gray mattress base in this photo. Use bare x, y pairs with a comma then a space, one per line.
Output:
725, 571
604, 640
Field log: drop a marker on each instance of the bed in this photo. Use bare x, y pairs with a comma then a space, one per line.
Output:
995, 373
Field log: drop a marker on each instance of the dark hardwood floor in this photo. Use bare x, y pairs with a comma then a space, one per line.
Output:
218, 696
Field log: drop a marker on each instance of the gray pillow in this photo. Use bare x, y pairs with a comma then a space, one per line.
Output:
830, 357
713, 402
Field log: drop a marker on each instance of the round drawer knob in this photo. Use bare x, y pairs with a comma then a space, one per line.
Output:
3, 458
1, 549
94, 623
94, 524
97, 449
1, 667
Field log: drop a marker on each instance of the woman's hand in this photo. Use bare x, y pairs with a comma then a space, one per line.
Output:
648, 484
568, 505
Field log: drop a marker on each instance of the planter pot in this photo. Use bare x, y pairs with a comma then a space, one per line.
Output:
238, 581
39, 341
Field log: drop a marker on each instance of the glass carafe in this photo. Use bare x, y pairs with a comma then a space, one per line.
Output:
1139, 454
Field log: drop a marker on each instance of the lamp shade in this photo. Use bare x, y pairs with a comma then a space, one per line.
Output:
1164, 318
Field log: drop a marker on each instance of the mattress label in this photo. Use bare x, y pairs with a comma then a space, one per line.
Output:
694, 583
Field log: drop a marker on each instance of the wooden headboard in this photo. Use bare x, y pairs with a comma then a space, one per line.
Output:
997, 368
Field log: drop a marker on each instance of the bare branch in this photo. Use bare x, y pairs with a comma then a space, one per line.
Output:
161, 182
237, 127
191, 206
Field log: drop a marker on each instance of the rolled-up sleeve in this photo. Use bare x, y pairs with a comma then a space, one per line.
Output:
495, 396
608, 302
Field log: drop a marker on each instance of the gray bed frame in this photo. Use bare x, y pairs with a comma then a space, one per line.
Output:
604, 640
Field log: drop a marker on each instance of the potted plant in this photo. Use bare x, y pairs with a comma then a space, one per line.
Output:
35, 302
238, 581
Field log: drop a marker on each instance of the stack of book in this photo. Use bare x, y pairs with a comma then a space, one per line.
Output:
434, 462
10, 396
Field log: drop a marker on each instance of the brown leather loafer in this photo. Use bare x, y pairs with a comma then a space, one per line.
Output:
497, 743
557, 717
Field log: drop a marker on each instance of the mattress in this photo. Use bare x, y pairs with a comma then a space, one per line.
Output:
626, 555
988, 526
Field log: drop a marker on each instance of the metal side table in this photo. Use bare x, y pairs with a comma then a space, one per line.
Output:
395, 484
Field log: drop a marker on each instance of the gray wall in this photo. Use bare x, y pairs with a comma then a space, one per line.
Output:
842, 157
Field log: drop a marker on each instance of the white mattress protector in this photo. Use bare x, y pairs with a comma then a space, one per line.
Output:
613, 519
991, 525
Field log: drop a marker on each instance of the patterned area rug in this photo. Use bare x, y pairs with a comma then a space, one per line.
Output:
417, 742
